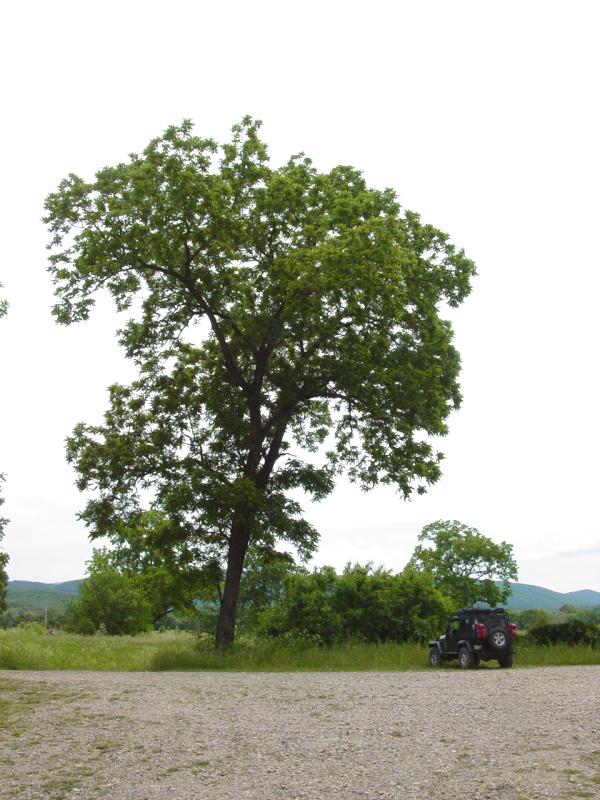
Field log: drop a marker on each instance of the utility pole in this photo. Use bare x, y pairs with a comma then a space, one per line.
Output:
46, 616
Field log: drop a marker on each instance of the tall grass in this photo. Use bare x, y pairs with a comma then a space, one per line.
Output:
22, 649
269, 656
28, 650
556, 655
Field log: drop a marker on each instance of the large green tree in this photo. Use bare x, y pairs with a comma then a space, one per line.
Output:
270, 308
466, 565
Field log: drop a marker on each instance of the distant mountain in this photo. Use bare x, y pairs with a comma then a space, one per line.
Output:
525, 595
66, 587
34, 596
583, 597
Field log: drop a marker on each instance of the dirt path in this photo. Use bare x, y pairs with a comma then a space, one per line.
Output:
507, 735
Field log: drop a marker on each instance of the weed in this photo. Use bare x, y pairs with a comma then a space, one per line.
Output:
18, 700
105, 745
169, 771
58, 787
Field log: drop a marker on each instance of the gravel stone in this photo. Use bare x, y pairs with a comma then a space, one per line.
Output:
529, 734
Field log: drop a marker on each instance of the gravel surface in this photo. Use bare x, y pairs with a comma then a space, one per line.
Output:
514, 734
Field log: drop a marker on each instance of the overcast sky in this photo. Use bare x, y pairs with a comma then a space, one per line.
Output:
482, 116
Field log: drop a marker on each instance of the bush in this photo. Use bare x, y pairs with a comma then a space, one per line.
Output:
575, 631
362, 604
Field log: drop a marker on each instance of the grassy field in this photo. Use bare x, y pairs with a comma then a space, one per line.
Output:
29, 650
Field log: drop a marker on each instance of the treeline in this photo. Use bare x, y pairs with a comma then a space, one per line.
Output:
138, 585
366, 604
284, 601
57, 620
321, 605
135, 588
278, 599
539, 618
569, 625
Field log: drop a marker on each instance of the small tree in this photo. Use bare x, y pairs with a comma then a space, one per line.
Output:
465, 564
163, 570
109, 601
275, 306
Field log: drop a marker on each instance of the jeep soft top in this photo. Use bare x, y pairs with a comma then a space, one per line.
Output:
473, 635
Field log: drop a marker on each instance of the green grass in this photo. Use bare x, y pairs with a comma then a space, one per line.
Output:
23, 649
261, 656
28, 650
556, 655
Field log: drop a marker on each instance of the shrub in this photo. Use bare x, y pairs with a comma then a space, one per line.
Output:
362, 604
575, 631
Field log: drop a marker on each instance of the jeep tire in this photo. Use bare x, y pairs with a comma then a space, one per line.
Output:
505, 661
498, 639
465, 658
435, 657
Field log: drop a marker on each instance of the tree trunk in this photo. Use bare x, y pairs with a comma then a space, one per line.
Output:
238, 544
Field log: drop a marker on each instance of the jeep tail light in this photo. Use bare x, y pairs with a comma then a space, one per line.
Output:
480, 631
512, 629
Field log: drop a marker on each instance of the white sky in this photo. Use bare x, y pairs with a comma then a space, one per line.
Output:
482, 116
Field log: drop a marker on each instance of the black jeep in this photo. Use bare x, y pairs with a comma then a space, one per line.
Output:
474, 635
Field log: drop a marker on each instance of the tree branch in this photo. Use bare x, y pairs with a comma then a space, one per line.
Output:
187, 280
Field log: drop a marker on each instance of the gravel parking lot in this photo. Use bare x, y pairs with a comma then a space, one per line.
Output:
514, 734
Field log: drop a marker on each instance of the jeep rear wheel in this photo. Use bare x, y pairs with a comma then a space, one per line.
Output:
498, 639
465, 658
435, 657
505, 661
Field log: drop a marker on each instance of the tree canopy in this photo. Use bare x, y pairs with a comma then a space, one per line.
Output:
273, 310
465, 564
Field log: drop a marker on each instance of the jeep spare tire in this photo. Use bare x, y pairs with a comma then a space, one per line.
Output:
498, 639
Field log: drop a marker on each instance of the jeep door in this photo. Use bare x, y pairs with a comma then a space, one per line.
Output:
452, 635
